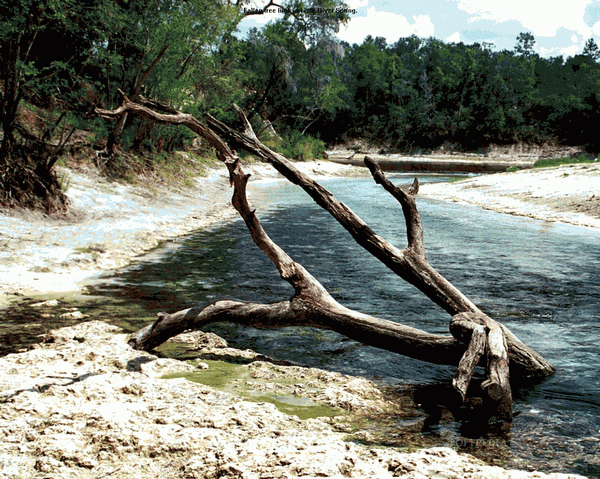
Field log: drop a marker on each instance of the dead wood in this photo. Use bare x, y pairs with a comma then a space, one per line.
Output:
311, 305
467, 364
483, 334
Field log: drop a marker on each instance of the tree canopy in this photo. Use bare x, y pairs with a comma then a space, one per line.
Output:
425, 93
293, 75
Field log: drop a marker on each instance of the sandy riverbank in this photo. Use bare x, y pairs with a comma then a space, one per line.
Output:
110, 223
567, 194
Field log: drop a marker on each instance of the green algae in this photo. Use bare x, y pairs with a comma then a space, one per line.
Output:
237, 379
25, 321
286, 406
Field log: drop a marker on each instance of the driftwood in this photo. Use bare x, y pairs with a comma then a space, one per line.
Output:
473, 333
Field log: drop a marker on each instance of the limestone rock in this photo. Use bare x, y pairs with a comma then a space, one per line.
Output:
85, 405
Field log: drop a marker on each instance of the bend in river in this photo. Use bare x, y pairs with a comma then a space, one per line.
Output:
539, 279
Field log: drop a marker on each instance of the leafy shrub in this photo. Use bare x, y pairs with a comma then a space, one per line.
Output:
297, 146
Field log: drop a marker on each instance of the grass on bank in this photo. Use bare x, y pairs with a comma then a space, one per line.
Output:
554, 162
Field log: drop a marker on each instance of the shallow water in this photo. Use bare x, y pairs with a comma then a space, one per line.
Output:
539, 279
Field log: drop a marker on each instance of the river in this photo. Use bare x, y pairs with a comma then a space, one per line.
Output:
540, 279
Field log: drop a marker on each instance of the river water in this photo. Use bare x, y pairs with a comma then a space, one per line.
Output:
539, 279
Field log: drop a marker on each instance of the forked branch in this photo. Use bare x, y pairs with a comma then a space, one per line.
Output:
485, 333
414, 226
312, 305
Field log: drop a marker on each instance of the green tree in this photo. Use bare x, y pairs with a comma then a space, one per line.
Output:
310, 20
591, 50
582, 74
158, 49
292, 67
525, 44
47, 77
371, 70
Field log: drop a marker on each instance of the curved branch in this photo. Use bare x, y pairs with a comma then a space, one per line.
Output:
312, 305
311, 312
414, 226
175, 118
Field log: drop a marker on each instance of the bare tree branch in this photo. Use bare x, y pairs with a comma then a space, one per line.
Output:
311, 304
414, 226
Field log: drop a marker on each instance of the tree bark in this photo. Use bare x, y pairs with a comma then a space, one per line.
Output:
467, 364
485, 335
311, 305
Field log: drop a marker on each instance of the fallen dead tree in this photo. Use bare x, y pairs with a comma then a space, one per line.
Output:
475, 339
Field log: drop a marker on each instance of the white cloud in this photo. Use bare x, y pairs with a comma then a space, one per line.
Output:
423, 26
536, 15
571, 50
454, 38
547, 52
391, 26
596, 29
356, 4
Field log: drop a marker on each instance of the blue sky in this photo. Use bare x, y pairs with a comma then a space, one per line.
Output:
560, 28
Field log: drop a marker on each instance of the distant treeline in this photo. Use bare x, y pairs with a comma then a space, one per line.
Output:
292, 75
424, 93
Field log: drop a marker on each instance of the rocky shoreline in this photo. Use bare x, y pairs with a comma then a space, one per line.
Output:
83, 404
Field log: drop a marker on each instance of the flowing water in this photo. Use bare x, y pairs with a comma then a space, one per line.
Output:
539, 279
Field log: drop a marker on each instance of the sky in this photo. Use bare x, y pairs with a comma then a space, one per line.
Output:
560, 28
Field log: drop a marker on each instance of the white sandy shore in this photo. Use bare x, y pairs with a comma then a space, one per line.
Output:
111, 223
567, 194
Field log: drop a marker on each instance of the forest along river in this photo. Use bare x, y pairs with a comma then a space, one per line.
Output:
539, 279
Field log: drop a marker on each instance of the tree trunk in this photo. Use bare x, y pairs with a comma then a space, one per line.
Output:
114, 138
473, 333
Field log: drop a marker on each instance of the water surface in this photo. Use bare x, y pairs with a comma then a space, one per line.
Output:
539, 279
